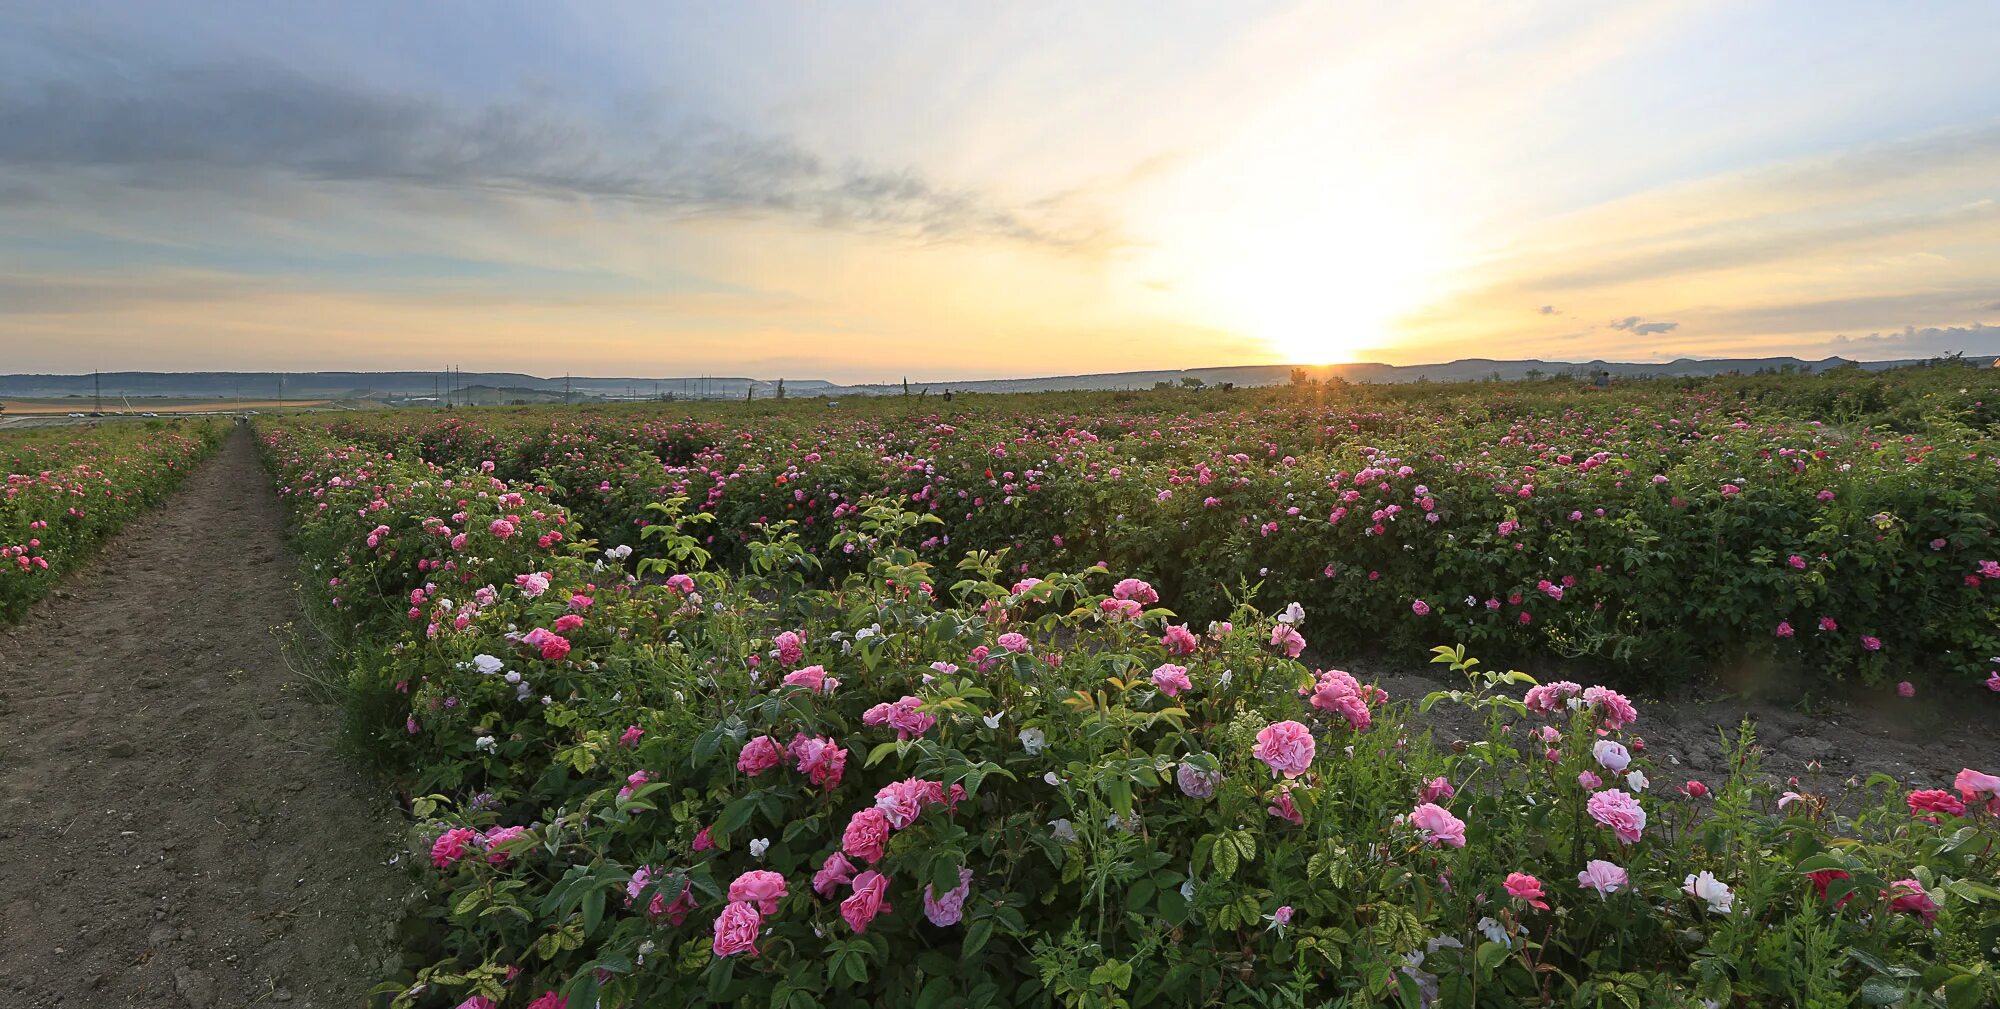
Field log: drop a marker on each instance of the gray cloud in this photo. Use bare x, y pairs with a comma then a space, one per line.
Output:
1994, 307
1930, 341
1631, 324
218, 127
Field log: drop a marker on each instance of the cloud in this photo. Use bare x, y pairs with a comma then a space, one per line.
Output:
1994, 307
1976, 339
1547, 310
1632, 325
220, 127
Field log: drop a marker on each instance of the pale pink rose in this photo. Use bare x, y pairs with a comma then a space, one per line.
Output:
1284, 808
1196, 783
1287, 747
1611, 756
736, 929
1438, 825
871, 890
1435, 789
1620, 812
1589, 779
1012, 642
949, 909
1603, 877
761, 887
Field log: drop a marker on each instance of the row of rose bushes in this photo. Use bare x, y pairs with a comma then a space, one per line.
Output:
1662, 529
935, 785
68, 488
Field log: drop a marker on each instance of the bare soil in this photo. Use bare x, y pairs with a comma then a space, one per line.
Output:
175, 825
1921, 742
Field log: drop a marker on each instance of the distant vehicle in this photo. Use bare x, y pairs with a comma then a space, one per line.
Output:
149, 415
76, 415
97, 413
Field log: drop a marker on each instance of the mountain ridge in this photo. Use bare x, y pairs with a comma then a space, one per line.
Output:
419, 385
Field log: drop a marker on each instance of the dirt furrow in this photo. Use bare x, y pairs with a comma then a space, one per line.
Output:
175, 826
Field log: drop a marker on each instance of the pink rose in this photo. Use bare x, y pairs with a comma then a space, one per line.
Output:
1012, 642
1614, 712
903, 801
871, 890
1136, 591
630, 737
1172, 679
1438, 825
1178, 640
1287, 640
1284, 808
835, 871
1907, 895
866, 834
1287, 747
759, 755
450, 846
761, 887
736, 929
496, 838
1924, 803
1603, 877
949, 909
1620, 812
813, 678
819, 760
1435, 789
1522, 886
1339, 692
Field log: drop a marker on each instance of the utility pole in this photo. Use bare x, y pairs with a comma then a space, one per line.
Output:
565, 388
97, 390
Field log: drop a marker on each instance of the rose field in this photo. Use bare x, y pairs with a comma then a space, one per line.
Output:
1033, 700
69, 488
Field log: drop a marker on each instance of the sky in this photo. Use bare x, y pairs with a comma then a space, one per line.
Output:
863, 191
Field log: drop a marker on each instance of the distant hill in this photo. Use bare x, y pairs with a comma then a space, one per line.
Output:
504, 387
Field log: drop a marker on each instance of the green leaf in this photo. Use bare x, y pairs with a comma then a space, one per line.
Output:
975, 937
1491, 955
1881, 991
593, 909
1115, 973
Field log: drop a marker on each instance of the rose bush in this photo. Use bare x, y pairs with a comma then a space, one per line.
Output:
921, 784
69, 488
1666, 528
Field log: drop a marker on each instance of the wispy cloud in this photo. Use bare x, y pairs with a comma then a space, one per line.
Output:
211, 127
1634, 325
1911, 341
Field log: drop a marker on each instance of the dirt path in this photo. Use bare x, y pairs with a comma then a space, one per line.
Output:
175, 827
